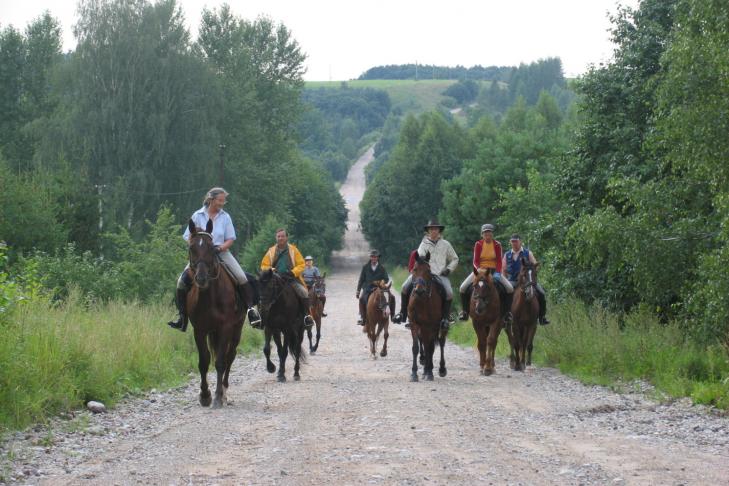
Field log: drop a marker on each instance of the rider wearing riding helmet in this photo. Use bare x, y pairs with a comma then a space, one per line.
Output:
309, 274
511, 264
487, 253
443, 260
223, 237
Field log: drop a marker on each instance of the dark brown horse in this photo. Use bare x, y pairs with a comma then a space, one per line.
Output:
525, 309
282, 317
378, 316
316, 308
215, 313
485, 312
425, 310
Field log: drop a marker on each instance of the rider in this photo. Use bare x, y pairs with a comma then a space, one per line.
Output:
223, 238
487, 253
310, 273
371, 273
289, 262
511, 263
443, 260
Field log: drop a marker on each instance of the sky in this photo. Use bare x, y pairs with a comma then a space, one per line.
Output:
342, 39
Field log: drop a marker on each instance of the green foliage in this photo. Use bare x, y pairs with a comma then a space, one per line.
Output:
463, 91
428, 71
257, 246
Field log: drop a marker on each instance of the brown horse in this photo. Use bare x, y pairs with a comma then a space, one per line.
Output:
282, 316
485, 312
425, 310
215, 313
525, 309
378, 316
316, 308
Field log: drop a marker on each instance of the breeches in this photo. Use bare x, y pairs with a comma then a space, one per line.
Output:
300, 289
230, 263
469, 281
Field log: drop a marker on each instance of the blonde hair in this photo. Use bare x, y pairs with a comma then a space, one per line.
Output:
212, 194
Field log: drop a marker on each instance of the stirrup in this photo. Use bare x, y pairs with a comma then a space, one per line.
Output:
444, 324
463, 316
398, 318
543, 321
179, 324
254, 318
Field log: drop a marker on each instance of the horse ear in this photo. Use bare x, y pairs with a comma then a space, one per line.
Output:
191, 227
209, 227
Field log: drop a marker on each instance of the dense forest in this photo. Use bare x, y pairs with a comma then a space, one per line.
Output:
623, 199
427, 71
130, 129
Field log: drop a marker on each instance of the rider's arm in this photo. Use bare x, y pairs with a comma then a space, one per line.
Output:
504, 266
360, 283
532, 258
226, 245
266, 261
499, 260
451, 258
476, 254
298, 264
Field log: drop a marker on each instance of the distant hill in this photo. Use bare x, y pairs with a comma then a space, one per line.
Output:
409, 95
429, 71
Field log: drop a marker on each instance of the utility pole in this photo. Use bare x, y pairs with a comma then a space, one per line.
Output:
221, 176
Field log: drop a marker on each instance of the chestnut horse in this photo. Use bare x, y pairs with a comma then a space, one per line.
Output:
525, 309
316, 309
282, 316
215, 313
485, 312
378, 316
425, 309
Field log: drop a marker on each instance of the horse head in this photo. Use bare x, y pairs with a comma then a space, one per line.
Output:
271, 287
527, 279
319, 286
483, 288
382, 295
201, 252
422, 277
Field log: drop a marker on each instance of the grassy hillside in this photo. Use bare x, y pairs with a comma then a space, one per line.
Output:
411, 96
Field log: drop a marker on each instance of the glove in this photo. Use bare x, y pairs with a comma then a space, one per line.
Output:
217, 249
445, 272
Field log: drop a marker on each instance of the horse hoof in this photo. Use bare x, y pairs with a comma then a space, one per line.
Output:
442, 373
297, 377
429, 378
217, 404
271, 367
488, 372
281, 378
383, 353
205, 400
413, 378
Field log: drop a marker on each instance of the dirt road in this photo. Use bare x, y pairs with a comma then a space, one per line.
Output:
355, 420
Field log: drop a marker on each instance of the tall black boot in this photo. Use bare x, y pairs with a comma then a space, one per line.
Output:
506, 300
445, 323
180, 301
402, 317
246, 293
308, 320
465, 305
542, 307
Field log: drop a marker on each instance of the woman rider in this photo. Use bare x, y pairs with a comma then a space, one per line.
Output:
223, 238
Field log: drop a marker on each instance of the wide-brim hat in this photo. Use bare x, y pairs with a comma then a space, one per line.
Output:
433, 223
487, 227
308, 257
374, 253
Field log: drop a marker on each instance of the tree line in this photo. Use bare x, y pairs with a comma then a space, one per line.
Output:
140, 116
625, 199
430, 71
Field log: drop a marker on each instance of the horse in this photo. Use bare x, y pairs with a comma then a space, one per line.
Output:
281, 317
316, 309
525, 309
485, 312
425, 309
215, 313
378, 316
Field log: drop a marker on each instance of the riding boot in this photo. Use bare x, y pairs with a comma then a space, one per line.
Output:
542, 307
445, 323
506, 300
465, 304
391, 303
362, 313
402, 317
180, 301
308, 320
246, 293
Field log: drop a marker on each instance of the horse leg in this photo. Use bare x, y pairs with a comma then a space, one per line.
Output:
318, 334
415, 349
296, 350
530, 344
422, 354
491, 340
203, 362
282, 354
429, 352
221, 353
442, 371
270, 367
385, 325
481, 344
512, 348
310, 336
370, 327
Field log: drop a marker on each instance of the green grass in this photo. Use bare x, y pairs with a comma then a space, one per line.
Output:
54, 359
410, 95
600, 347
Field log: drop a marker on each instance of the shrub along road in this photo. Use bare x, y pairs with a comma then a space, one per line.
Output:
353, 420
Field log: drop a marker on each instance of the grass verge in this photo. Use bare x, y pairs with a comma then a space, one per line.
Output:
600, 347
54, 359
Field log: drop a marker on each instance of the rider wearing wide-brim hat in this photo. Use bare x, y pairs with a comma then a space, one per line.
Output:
443, 261
487, 253
372, 271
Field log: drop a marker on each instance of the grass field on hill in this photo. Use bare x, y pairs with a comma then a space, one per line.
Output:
410, 95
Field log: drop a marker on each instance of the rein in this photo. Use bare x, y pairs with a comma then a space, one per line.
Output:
216, 262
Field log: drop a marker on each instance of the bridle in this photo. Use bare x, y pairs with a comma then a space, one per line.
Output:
278, 288
527, 283
419, 281
480, 294
194, 264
